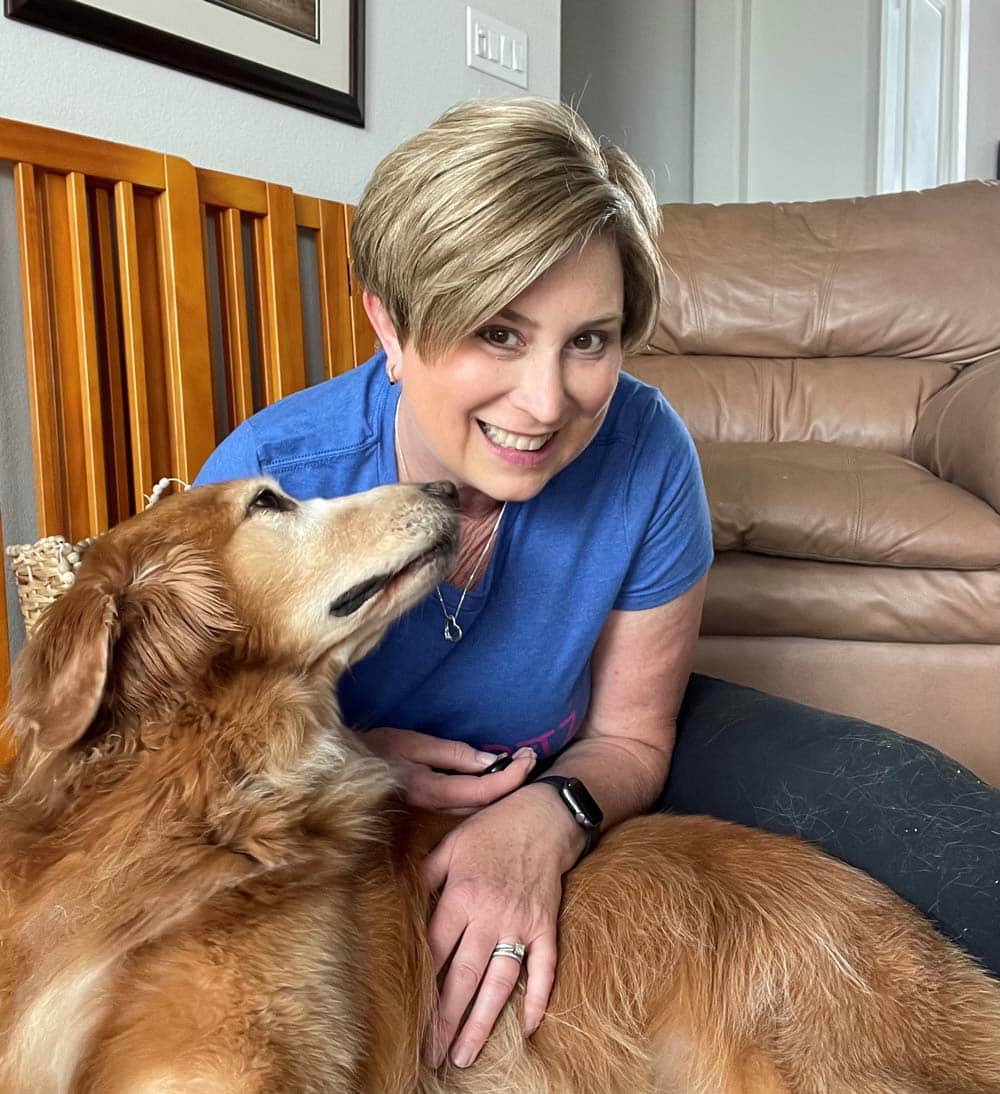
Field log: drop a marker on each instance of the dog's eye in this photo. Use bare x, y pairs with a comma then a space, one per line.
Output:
268, 499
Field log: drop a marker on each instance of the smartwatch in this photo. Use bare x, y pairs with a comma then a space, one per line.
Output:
578, 800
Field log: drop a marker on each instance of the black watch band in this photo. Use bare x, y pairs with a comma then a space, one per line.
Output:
579, 801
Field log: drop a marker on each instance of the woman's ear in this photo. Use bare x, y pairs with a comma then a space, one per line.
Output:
378, 316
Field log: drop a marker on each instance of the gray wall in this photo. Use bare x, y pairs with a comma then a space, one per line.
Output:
628, 68
415, 69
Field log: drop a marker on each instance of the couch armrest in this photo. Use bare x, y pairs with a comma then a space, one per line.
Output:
958, 433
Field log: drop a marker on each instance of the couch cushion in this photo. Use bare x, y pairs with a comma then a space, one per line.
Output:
837, 503
782, 597
869, 402
893, 275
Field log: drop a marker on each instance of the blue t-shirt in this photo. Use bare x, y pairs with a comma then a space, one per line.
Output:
624, 526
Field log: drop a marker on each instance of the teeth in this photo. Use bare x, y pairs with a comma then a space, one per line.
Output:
514, 440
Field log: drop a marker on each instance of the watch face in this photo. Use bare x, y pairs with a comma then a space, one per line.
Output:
578, 798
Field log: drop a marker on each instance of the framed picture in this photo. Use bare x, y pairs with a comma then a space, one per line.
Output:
307, 53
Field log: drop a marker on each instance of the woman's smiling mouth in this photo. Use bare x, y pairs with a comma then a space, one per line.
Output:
520, 442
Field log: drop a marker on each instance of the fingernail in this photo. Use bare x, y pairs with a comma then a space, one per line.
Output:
486, 758
463, 1056
525, 753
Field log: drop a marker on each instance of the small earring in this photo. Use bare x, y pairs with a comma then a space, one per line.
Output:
390, 371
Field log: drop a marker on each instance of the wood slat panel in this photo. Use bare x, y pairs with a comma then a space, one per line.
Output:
54, 150
72, 476
235, 325
222, 191
364, 335
45, 432
154, 335
279, 299
334, 289
109, 336
189, 362
133, 342
307, 212
89, 432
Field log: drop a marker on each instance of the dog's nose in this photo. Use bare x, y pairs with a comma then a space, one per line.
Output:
442, 489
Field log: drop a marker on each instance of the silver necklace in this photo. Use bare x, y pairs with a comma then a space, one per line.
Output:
452, 631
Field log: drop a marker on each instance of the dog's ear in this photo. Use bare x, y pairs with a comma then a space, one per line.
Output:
136, 631
173, 620
60, 677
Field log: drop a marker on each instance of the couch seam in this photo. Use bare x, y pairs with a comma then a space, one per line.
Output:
750, 547
694, 282
859, 489
844, 233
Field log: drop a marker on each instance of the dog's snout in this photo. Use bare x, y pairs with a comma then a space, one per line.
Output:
443, 489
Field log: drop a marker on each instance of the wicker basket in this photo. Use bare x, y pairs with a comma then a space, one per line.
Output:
43, 571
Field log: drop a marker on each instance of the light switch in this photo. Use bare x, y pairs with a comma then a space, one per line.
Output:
496, 48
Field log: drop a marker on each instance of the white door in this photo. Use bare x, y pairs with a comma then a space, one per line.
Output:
811, 99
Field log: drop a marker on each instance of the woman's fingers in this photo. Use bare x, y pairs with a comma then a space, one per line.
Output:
499, 980
422, 763
431, 790
541, 965
450, 917
422, 748
461, 982
434, 871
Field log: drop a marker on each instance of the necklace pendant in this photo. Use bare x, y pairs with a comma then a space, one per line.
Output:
452, 631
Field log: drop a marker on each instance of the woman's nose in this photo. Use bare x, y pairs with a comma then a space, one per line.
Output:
540, 391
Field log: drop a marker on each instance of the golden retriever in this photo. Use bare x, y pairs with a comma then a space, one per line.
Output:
210, 885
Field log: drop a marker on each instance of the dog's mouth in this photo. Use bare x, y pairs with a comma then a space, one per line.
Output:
359, 595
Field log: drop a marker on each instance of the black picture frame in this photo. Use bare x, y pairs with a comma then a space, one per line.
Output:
79, 20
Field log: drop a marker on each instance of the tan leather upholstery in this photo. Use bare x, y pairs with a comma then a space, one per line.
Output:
838, 364
956, 436
860, 277
796, 399
842, 504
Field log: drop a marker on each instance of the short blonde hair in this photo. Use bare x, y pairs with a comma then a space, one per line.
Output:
462, 218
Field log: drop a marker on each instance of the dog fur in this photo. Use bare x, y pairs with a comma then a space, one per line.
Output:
210, 885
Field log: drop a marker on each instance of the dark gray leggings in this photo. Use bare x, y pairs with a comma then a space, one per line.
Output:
900, 810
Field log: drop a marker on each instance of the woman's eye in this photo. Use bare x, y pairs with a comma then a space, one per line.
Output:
590, 342
499, 337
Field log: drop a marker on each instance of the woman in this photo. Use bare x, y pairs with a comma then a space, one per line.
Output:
509, 264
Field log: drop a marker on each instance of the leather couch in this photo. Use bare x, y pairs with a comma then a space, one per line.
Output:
838, 364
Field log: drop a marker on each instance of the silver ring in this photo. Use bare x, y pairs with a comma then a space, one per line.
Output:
509, 949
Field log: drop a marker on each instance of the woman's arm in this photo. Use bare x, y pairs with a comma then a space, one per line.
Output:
501, 869
639, 671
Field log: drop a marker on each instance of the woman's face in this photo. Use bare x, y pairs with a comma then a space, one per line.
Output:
512, 404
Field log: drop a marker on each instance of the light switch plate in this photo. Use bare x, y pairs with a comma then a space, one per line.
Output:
496, 48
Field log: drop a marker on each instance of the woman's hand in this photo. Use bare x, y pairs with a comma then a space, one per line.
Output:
420, 761
501, 871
